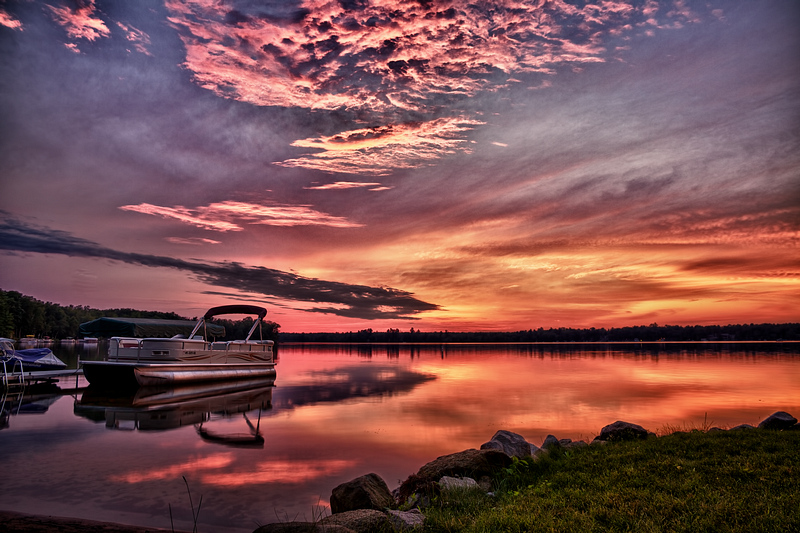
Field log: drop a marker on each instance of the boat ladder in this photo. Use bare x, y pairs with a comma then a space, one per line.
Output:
8, 377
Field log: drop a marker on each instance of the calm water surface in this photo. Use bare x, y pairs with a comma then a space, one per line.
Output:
338, 411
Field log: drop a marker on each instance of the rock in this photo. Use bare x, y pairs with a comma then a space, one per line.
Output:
405, 520
778, 420
365, 492
302, 527
359, 520
620, 430
455, 483
576, 444
743, 426
419, 500
513, 444
470, 463
534, 449
551, 442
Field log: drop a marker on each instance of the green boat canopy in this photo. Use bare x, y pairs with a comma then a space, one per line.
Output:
144, 327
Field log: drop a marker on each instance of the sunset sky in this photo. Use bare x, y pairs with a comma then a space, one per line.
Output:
438, 165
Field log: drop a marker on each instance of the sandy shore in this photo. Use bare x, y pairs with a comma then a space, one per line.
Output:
11, 522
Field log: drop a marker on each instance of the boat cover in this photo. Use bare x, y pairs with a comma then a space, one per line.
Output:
39, 356
143, 327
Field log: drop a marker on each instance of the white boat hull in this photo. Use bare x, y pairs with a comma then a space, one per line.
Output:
126, 375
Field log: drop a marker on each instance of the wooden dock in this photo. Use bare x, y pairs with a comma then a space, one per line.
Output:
12, 379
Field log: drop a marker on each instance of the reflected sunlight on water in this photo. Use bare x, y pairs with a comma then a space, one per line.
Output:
337, 412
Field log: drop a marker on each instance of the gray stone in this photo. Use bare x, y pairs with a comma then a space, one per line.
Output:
778, 420
551, 442
455, 483
470, 463
534, 449
406, 520
743, 426
620, 430
365, 492
359, 520
513, 444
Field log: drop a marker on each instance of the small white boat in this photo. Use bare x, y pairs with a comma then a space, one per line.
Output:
134, 362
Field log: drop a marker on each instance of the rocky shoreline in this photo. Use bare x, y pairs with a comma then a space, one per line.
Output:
366, 504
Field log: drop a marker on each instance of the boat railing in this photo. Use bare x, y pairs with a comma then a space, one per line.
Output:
136, 350
123, 347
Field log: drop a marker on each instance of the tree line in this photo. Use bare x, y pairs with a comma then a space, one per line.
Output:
22, 316
651, 333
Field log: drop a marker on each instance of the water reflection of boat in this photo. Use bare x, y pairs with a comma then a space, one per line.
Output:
199, 404
32, 400
156, 361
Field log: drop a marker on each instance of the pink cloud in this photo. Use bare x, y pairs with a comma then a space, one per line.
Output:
230, 216
344, 185
191, 240
417, 54
384, 61
8, 21
139, 38
278, 471
80, 22
377, 151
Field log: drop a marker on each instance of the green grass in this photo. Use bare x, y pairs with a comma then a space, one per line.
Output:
720, 481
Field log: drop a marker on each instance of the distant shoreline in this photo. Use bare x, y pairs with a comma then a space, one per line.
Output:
551, 343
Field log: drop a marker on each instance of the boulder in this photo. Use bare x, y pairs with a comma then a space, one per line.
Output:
512, 444
551, 442
743, 426
620, 430
455, 483
778, 420
469, 463
360, 520
406, 520
302, 527
365, 492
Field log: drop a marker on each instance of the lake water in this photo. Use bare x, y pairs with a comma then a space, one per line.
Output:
340, 411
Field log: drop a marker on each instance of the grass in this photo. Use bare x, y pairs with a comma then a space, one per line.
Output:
743, 481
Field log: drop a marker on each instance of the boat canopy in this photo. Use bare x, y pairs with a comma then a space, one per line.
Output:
242, 309
143, 327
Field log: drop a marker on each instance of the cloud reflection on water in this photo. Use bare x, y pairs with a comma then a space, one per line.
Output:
339, 412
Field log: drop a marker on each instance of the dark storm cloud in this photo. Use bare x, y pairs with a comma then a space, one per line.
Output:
356, 301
